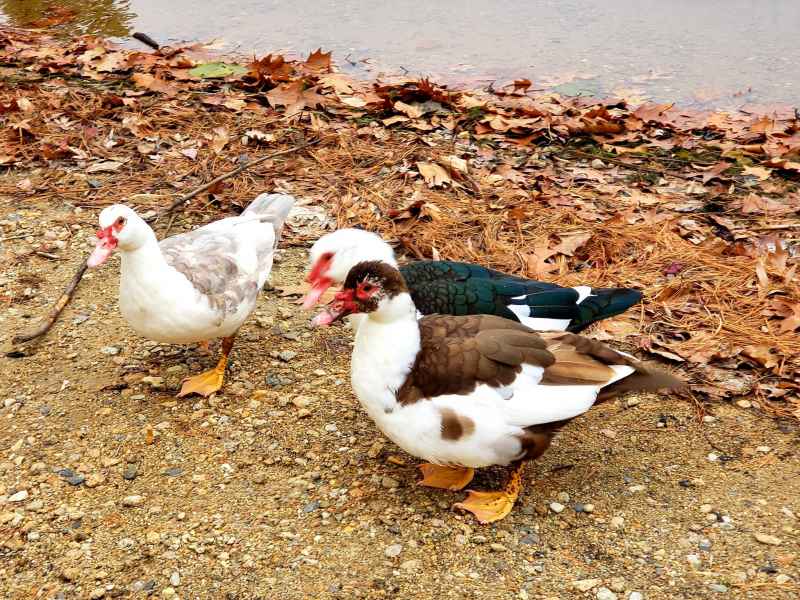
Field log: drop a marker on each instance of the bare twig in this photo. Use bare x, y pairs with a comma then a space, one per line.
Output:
45, 324
146, 40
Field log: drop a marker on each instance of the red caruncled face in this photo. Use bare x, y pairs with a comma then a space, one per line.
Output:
106, 243
318, 280
363, 299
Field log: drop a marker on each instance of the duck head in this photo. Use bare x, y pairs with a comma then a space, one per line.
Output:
120, 228
374, 288
333, 256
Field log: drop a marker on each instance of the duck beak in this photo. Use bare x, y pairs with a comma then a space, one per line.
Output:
106, 243
319, 287
341, 306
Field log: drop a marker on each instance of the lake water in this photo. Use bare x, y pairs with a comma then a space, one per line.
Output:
700, 52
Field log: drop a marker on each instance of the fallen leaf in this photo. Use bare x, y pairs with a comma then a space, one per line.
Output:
143, 80
762, 355
190, 153
413, 111
319, 61
455, 163
353, 101
257, 136
107, 166
537, 263
217, 70
219, 139
571, 242
433, 174
113, 61
395, 119
24, 104
759, 172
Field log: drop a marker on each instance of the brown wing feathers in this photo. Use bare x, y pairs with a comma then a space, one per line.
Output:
458, 353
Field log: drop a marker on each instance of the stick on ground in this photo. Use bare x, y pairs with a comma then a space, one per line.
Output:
47, 322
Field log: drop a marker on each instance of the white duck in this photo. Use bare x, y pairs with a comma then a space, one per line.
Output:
472, 391
196, 286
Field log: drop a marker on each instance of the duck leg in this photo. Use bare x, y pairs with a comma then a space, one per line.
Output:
446, 478
489, 507
209, 382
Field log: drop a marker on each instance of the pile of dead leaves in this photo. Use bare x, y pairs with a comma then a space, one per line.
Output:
697, 209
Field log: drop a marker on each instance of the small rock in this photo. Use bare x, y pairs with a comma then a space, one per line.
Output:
95, 479
744, 403
33, 536
389, 483
175, 579
636, 488
411, 565
706, 508
169, 592
765, 538
694, 561
584, 585
375, 449
173, 472
393, 550
154, 382
617, 584
20, 496
636, 596
556, 507
311, 506
97, 593
605, 594
260, 478
709, 419
563, 497
130, 472
111, 351
718, 587
133, 500
108, 461
498, 547
598, 164
70, 574
529, 539
286, 355
617, 522
782, 578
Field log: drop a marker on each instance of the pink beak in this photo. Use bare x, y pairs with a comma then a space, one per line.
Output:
315, 293
106, 243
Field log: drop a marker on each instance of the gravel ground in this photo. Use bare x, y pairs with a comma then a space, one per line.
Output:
281, 487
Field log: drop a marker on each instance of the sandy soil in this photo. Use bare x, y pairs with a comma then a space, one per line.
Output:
281, 487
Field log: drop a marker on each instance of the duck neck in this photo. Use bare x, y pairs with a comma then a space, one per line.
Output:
386, 347
145, 261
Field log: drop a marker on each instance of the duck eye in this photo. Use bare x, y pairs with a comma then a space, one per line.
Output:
367, 287
120, 222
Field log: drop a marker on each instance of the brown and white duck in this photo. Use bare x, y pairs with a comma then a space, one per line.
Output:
473, 391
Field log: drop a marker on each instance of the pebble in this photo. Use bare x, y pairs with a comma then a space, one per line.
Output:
97, 593
529, 539
718, 587
94, 480
617, 522
498, 547
617, 584
20, 496
130, 472
765, 538
133, 500
389, 483
286, 355
110, 350
584, 585
782, 578
175, 579
33, 536
605, 594
169, 592
598, 164
173, 472
694, 561
411, 565
636, 596
556, 507
563, 497
393, 550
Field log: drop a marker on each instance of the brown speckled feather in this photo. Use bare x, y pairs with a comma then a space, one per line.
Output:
458, 353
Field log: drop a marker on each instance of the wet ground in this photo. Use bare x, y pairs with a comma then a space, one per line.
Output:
719, 53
